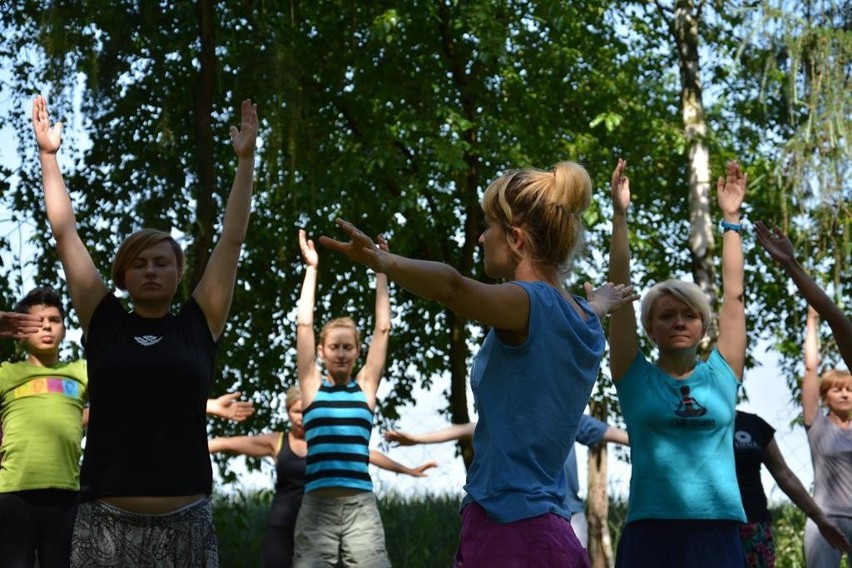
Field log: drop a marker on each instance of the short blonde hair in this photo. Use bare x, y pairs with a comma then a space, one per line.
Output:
547, 205
345, 322
294, 395
834, 378
137, 242
687, 292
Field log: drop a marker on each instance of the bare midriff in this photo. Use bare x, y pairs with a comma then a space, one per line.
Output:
153, 505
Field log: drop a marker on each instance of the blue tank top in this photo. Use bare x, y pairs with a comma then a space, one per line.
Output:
338, 424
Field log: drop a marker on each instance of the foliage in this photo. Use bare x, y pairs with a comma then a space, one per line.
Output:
396, 115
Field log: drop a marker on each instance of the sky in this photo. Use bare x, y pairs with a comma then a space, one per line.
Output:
766, 387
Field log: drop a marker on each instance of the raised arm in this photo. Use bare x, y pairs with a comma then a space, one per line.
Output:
18, 326
623, 336
730, 193
810, 382
371, 373
790, 484
379, 459
504, 306
309, 376
216, 287
454, 432
260, 446
780, 248
85, 285
229, 407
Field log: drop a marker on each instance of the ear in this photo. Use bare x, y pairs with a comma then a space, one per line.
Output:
516, 238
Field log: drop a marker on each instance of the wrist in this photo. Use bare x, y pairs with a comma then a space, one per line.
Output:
731, 224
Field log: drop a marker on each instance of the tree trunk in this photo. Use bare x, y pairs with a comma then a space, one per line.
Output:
684, 28
206, 89
600, 542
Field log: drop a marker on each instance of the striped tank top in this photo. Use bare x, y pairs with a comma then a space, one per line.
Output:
338, 424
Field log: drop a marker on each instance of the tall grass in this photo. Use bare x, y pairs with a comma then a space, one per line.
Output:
423, 531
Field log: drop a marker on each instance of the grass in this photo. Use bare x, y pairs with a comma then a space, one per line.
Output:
423, 531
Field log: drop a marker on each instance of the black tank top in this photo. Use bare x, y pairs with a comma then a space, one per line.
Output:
289, 486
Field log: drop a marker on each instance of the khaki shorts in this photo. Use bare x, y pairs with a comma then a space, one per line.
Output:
340, 529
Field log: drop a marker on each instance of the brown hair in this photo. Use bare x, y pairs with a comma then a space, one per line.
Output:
547, 205
135, 244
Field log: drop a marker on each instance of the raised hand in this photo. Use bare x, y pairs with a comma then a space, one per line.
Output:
245, 138
609, 297
775, 242
360, 248
48, 138
309, 251
620, 187
18, 326
731, 189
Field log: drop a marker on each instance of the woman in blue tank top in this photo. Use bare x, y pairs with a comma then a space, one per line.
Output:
542, 354
684, 507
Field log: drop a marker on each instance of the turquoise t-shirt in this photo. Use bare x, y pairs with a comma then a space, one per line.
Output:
41, 409
681, 441
530, 398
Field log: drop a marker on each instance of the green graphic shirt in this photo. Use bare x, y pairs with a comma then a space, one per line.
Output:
41, 410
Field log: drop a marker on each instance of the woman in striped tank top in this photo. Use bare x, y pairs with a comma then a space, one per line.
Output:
339, 520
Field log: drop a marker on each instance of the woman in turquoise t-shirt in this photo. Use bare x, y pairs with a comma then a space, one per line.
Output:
684, 505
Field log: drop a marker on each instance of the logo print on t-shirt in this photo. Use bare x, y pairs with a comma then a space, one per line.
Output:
743, 440
148, 340
688, 407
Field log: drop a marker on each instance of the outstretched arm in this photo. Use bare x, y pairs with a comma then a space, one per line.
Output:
260, 446
623, 336
216, 287
616, 436
381, 460
454, 432
810, 382
85, 285
780, 248
790, 484
229, 407
18, 326
730, 193
309, 376
503, 306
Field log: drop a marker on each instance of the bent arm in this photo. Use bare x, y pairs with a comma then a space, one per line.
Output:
260, 446
215, 290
